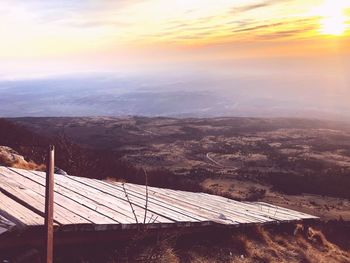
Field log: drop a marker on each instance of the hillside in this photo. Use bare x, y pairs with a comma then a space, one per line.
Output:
279, 244
298, 163
82, 152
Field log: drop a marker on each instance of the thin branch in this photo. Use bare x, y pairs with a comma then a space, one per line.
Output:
155, 219
150, 219
132, 208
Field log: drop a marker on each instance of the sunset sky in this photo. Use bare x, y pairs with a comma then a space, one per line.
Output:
63, 37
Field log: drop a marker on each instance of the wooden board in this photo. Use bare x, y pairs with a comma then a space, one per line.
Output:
169, 212
32, 195
202, 205
101, 205
18, 214
101, 200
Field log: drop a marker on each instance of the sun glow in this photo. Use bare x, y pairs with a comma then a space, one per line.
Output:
333, 20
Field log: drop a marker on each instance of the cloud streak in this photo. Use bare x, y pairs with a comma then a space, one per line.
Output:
133, 30
254, 6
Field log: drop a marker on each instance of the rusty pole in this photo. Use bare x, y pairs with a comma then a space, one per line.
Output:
49, 205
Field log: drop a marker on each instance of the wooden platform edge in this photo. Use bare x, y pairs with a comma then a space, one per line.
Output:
83, 227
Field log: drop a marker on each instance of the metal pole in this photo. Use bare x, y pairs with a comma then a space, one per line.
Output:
49, 205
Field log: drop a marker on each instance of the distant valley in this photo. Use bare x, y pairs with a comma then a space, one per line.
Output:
291, 162
200, 95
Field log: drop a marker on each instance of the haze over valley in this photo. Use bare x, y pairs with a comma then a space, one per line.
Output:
280, 88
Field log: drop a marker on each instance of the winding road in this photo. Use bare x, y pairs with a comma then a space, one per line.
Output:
217, 163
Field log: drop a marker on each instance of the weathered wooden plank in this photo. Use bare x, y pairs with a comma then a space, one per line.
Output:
108, 199
286, 210
251, 210
72, 201
250, 216
214, 207
183, 199
114, 202
205, 198
105, 206
116, 209
33, 197
252, 207
18, 214
232, 205
242, 208
139, 197
265, 215
276, 214
174, 204
159, 211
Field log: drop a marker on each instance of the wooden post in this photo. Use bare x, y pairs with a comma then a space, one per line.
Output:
49, 205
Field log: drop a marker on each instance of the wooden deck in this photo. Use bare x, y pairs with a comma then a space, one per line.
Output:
82, 204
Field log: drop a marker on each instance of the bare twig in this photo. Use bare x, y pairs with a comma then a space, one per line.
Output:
132, 207
155, 219
146, 205
150, 219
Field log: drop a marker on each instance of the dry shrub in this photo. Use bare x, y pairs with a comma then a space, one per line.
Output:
263, 250
198, 258
244, 245
160, 252
29, 166
149, 254
308, 245
255, 194
320, 250
218, 191
10, 158
115, 180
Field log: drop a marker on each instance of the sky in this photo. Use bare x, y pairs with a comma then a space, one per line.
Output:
285, 56
40, 38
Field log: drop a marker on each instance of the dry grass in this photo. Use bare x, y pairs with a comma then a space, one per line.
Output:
11, 158
114, 180
319, 249
275, 244
258, 245
29, 166
251, 245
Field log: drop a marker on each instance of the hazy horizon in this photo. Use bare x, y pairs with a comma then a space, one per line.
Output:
266, 58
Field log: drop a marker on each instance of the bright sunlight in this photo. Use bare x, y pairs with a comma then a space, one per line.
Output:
333, 20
